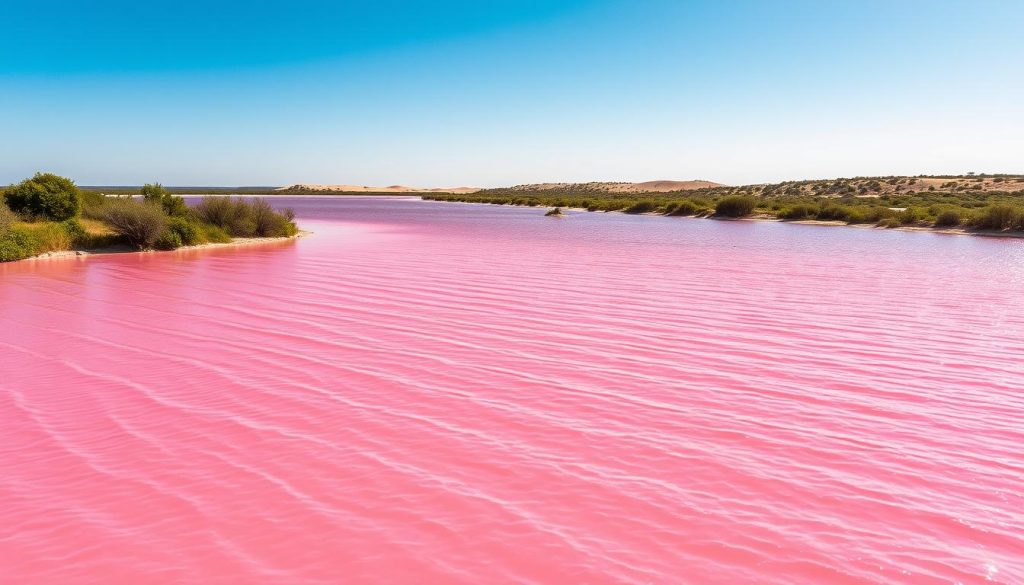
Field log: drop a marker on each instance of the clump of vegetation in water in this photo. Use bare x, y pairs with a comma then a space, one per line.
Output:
556, 212
982, 203
48, 213
246, 218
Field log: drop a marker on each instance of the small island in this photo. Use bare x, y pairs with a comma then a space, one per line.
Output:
49, 214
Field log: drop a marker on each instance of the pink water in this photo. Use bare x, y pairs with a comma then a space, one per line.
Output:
446, 393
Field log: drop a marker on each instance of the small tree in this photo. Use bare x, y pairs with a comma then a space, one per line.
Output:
172, 205
45, 196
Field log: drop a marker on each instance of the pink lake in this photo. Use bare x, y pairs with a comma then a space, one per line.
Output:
448, 393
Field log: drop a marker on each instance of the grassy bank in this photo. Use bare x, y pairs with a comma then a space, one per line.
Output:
48, 213
971, 202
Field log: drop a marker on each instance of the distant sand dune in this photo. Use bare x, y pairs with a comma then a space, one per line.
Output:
662, 186
369, 189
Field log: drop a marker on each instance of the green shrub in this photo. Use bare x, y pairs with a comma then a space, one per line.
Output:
75, 231
616, 204
168, 240
799, 211
948, 218
735, 206
862, 214
92, 202
44, 196
214, 234
908, 216
686, 207
242, 218
140, 224
997, 217
188, 231
268, 223
645, 206
557, 211
180, 232
857, 215
832, 212
218, 211
17, 243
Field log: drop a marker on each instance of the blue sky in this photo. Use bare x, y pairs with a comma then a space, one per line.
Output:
454, 92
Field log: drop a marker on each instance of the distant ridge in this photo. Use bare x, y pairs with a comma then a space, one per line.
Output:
316, 188
661, 186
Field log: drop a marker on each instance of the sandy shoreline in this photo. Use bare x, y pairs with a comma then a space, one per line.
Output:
236, 242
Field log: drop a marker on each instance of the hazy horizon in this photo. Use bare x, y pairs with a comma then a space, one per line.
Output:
454, 93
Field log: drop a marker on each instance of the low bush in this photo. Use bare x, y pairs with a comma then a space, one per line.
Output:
908, 216
17, 243
242, 218
140, 224
167, 240
735, 206
44, 196
997, 217
180, 232
268, 223
832, 212
645, 206
857, 215
948, 218
188, 231
861, 214
225, 213
214, 234
686, 207
557, 211
799, 211
76, 231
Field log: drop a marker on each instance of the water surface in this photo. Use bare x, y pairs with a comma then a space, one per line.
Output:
450, 393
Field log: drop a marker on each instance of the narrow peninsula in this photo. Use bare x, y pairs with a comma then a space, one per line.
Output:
49, 214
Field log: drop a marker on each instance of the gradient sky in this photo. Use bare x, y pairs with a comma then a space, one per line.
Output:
497, 92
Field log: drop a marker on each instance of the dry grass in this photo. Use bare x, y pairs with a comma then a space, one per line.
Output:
95, 227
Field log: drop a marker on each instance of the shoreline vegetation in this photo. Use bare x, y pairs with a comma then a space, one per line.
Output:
972, 204
49, 215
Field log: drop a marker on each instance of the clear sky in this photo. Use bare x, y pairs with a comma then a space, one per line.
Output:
496, 92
